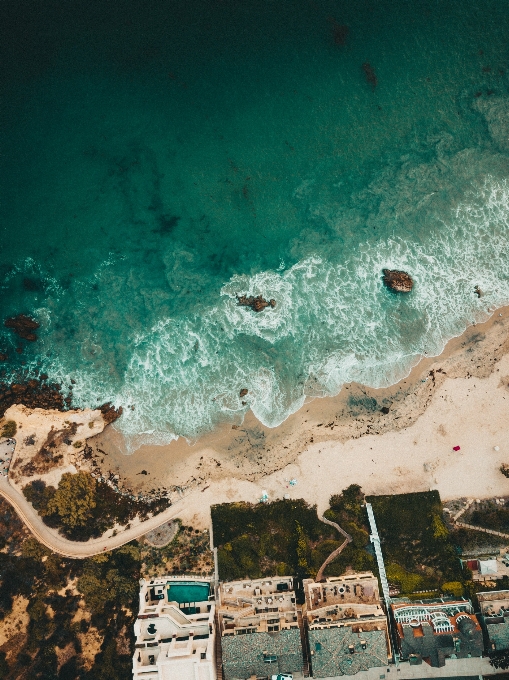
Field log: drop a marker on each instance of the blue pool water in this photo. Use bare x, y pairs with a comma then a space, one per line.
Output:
188, 592
157, 160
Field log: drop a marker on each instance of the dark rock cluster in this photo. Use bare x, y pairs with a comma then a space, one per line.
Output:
398, 281
257, 304
32, 394
37, 393
110, 413
23, 326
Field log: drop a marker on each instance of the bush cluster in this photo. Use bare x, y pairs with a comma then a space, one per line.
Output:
9, 429
286, 537
82, 508
417, 548
108, 584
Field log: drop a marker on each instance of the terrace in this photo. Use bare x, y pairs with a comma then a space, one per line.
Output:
174, 630
358, 588
495, 617
261, 605
351, 615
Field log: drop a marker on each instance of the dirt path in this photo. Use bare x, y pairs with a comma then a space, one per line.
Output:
336, 552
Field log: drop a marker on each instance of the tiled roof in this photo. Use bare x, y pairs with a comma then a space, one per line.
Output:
424, 643
331, 655
243, 655
498, 633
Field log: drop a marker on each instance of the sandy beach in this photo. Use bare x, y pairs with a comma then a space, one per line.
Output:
391, 440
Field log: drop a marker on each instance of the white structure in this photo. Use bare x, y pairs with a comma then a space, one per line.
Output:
375, 539
488, 567
175, 637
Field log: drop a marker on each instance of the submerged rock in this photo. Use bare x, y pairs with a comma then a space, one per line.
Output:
370, 74
23, 326
257, 304
401, 282
32, 394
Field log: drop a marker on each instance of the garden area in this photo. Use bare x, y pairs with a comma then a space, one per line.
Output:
188, 553
82, 508
287, 538
490, 514
418, 552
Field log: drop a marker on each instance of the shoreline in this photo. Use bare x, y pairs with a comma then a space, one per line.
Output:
239, 462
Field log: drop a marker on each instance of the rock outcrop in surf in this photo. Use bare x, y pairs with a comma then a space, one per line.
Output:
257, 304
398, 281
23, 326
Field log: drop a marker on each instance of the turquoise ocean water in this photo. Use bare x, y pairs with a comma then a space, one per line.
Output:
158, 158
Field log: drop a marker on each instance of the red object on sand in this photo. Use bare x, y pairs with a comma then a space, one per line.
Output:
455, 448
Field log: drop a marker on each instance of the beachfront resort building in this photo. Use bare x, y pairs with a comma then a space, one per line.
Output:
259, 629
174, 630
435, 630
346, 626
494, 618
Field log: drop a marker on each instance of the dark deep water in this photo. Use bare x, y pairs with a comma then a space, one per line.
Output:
158, 158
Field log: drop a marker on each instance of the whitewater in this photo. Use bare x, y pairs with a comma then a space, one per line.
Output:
141, 192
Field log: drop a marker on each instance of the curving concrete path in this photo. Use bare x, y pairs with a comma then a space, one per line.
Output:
76, 549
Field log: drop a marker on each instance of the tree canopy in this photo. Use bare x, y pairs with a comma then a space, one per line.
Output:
74, 499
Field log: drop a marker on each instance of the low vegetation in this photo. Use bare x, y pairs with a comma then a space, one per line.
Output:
286, 537
81, 508
188, 553
75, 616
488, 514
63, 619
418, 551
9, 429
476, 543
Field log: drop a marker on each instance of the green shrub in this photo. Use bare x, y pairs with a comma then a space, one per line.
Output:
414, 536
453, 588
408, 581
268, 538
9, 429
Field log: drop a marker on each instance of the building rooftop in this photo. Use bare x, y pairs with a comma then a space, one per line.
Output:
175, 630
495, 617
260, 605
259, 628
347, 627
262, 654
433, 630
342, 651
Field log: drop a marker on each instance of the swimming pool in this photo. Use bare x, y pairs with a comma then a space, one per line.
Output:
188, 591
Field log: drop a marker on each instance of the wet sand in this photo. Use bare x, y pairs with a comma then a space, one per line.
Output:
458, 398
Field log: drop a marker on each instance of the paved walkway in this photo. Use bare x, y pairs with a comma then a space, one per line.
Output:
75, 549
335, 553
486, 531
477, 667
375, 539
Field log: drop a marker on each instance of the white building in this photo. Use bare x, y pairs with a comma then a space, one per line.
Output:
174, 630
